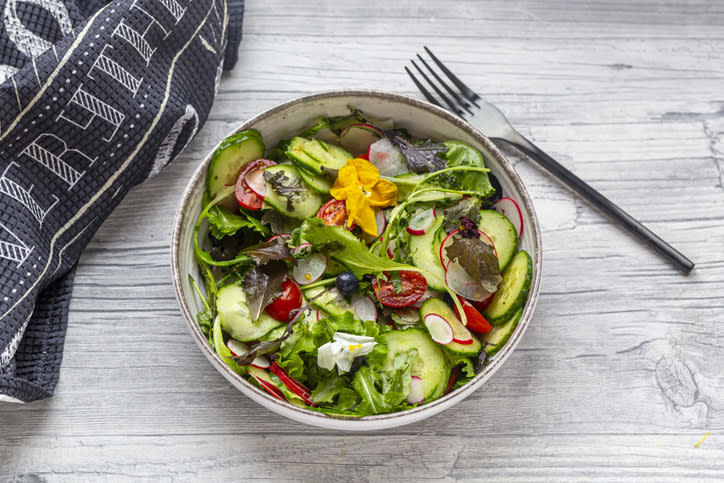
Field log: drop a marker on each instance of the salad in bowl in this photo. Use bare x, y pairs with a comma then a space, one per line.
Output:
355, 269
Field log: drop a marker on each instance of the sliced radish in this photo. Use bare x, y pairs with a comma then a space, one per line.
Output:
381, 221
357, 138
417, 393
463, 284
391, 247
284, 236
448, 240
271, 388
292, 384
238, 348
421, 221
310, 269
510, 208
320, 315
427, 295
440, 329
254, 179
388, 159
364, 307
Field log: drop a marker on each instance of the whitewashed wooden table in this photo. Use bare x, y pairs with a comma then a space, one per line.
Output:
620, 373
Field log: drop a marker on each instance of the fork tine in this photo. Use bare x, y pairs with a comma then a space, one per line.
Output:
437, 90
422, 88
450, 90
467, 92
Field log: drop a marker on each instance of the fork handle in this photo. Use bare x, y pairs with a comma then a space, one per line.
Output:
597, 200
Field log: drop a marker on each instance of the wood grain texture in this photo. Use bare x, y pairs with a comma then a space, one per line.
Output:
618, 376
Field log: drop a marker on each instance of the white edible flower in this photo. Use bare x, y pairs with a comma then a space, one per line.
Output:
342, 350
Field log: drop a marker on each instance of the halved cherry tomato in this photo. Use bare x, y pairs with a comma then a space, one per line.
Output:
482, 304
413, 288
476, 321
290, 299
333, 213
244, 195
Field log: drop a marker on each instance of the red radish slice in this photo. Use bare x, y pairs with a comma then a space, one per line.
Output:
310, 269
381, 221
357, 138
271, 389
448, 240
292, 384
421, 222
510, 208
284, 236
238, 348
388, 159
417, 393
463, 284
391, 247
320, 315
427, 295
364, 307
254, 179
440, 329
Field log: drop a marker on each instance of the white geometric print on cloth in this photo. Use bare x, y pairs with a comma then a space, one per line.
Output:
91, 103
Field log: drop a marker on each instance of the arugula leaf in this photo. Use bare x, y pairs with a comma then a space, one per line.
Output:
339, 243
478, 259
265, 252
205, 317
223, 222
459, 153
262, 285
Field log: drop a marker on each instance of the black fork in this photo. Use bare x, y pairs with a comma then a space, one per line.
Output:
466, 103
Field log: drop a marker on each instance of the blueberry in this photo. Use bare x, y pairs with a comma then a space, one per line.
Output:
347, 283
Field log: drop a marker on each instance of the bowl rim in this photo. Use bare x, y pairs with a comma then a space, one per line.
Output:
374, 421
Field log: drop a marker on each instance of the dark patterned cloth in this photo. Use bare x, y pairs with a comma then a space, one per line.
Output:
95, 97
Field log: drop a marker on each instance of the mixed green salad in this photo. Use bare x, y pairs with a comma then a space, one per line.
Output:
356, 269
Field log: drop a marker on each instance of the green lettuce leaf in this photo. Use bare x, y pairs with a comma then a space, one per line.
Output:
462, 154
340, 244
223, 222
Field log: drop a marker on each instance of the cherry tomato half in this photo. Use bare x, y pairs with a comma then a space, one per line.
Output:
413, 288
333, 213
244, 195
482, 304
290, 299
476, 321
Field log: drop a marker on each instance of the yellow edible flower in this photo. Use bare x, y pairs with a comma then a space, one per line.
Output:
359, 184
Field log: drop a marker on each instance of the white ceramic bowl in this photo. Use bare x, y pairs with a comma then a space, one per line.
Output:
282, 122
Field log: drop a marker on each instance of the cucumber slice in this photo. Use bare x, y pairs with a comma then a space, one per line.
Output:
513, 290
222, 350
235, 317
424, 251
464, 342
496, 338
331, 302
228, 159
430, 365
317, 156
319, 184
297, 204
502, 232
